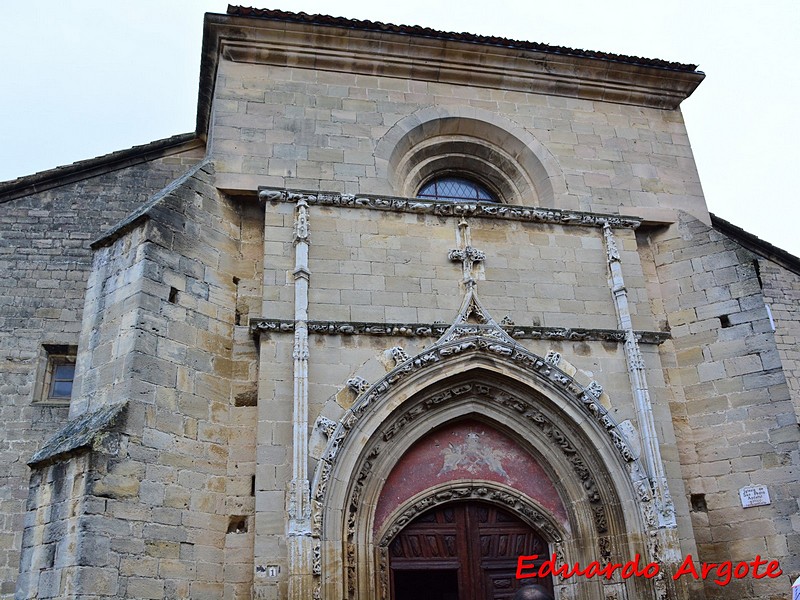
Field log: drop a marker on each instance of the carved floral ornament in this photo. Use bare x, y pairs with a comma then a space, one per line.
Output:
490, 210
487, 491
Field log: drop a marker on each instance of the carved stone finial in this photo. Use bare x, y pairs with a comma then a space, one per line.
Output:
399, 355
358, 384
611, 244
466, 254
595, 389
552, 358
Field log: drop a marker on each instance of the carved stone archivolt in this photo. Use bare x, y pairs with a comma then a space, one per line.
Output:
464, 491
559, 440
558, 437
586, 398
485, 491
539, 369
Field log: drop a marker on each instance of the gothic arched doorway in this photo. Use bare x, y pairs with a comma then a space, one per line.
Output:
462, 551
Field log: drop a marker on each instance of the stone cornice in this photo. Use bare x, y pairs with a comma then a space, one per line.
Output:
259, 326
441, 60
491, 210
427, 32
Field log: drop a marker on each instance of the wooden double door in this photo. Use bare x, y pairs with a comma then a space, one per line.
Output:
462, 551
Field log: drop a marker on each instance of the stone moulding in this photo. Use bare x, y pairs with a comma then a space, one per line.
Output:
386, 53
485, 491
466, 340
259, 326
555, 435
87, 431
469, 490
564, 386
586, 398
489, 210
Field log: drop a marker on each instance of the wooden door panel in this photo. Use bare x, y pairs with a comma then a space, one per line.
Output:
433, 584
477, 543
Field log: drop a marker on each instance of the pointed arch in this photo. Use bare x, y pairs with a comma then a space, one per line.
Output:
546, 411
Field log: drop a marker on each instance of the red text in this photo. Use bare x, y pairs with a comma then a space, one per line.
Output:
526, 568
725, 571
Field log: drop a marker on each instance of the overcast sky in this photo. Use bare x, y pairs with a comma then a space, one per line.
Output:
84, 78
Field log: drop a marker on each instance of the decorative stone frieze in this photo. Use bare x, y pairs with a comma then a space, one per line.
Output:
436, 330
514, 501
489, 210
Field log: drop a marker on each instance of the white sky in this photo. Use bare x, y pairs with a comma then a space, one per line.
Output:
84, 78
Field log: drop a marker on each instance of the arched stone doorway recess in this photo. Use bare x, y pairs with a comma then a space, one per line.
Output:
541, 409
445, 519
461, 550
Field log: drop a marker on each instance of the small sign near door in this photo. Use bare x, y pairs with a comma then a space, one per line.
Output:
754, 495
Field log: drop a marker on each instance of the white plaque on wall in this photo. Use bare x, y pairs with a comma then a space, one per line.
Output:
754, 495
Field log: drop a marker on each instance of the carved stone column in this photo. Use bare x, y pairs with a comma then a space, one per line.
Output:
298, 502
651, 452
663, 542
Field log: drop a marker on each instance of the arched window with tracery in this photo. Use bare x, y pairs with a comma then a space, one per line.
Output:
456, 189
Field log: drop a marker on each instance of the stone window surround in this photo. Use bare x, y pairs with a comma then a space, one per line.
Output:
51, 356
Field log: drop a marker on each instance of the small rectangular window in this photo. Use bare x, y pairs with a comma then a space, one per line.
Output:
61, 381
55, 386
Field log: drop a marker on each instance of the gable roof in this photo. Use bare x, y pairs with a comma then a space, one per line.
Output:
84, 169
756, 245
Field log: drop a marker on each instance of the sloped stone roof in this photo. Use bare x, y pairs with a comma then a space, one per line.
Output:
84, 431
756, 245
91, 167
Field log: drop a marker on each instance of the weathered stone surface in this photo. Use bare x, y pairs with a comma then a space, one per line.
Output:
566, 338
85, 431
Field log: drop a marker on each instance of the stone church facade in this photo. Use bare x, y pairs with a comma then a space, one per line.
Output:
406, 306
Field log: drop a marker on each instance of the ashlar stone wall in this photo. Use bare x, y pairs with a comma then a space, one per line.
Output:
45, 258
387, 267
781, 289
732, 409
175, 497
317, 130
